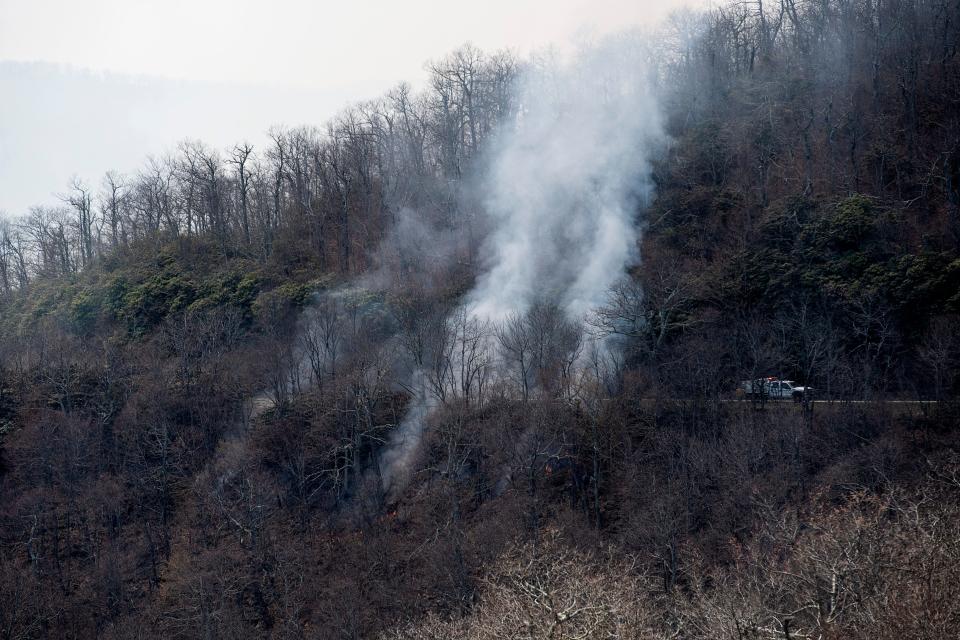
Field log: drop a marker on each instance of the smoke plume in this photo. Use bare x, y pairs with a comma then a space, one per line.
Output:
566, 179
564, 182
399, 455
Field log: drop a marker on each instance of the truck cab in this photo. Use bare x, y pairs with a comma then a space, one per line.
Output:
776, 389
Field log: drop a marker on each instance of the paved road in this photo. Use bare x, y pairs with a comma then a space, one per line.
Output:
836, 402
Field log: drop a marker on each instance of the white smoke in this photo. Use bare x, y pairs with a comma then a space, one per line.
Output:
564, 184
566, 180
400, 454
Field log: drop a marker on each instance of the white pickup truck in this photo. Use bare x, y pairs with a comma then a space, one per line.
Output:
776, 389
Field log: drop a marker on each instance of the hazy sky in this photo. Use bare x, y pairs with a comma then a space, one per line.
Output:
92, 85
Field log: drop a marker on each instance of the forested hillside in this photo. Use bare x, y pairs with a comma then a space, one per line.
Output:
247, 392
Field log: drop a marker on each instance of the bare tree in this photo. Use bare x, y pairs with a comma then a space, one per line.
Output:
79, 199
112, 204
239, 158
516, 345
323, 336
939, 351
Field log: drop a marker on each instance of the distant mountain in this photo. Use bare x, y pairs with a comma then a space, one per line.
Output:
57, 121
